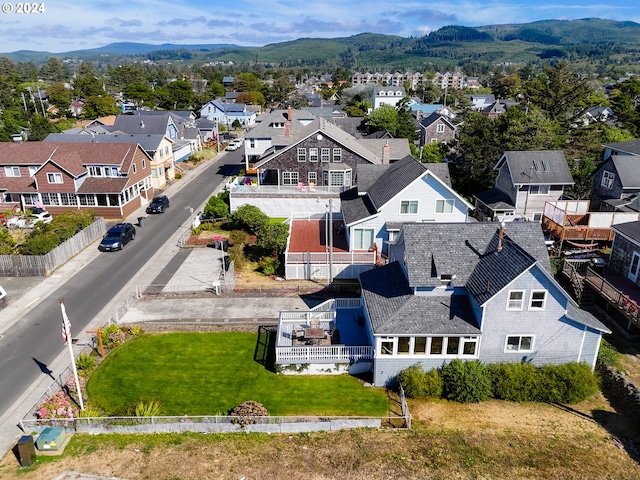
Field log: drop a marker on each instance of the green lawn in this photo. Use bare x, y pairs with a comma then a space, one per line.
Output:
210, 373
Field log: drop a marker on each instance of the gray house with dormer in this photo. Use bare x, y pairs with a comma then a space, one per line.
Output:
616, 183
526, 180
473, 291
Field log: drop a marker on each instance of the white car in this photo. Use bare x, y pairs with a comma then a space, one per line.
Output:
234, 145
35, 215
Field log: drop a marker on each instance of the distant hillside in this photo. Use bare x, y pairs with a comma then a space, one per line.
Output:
587, 40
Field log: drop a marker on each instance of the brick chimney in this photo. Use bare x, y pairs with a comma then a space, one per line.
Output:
386, 154
287, 124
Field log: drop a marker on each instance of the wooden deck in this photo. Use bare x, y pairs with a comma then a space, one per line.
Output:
310, 236
617, 291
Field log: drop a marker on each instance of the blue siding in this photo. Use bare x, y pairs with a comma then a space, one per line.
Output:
556, 339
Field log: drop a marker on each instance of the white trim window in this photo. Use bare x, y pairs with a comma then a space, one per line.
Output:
134, 169
607, 179
440, 128
538, 300
312, 177
144, 164
386, 345
11, 171
33, 170
408, 207
362, 238
54, 177
337, 155
444, 206
313, 155
537, 217
469, 346
539, 189
302, 155
515, 300
290, 178
404, 345
325, 154
518, 343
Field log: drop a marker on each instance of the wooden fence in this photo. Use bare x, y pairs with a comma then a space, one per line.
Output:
43, 265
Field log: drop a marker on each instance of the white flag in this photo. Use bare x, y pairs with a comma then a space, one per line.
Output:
66, 324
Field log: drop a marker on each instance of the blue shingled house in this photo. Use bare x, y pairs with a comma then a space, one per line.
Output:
475, 291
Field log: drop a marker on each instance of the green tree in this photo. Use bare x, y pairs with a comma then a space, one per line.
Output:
520, 131
39, 128
124, 75
246, 82
273, 237
180, 95
215, 89
216, 207
250, 218
383, 118
138, 92
282, 89
251, 98
625, 101
508, 86
54, 70
99, 106
60, 96
405, 125
434, 152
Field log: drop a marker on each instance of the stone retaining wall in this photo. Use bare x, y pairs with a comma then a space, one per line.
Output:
621, 389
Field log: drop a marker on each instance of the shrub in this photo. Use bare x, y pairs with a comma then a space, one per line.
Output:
466, 382
273, 237
566, 383
515, 382
150, 409
417, 383
609, 357
250, 218
216, 207
46, 237
57, 406
7, 243
112, 336
178, 176
90, 412
236, 255
84, 361
245, 412
269, 266
238, 237
135, 330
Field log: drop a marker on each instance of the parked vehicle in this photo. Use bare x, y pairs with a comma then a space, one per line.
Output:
35, 215
234, 145
158, 204
117, 237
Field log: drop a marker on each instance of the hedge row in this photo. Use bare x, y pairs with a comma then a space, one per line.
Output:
474, 381
47, 236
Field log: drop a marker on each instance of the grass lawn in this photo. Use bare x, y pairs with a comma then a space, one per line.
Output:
210, 373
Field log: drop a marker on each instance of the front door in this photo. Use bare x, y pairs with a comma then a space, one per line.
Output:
634, 267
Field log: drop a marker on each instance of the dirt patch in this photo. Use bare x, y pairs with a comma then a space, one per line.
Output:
491, 440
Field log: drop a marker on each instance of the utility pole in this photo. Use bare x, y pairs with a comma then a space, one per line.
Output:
330, 240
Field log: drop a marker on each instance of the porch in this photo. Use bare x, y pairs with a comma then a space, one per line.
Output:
330, 333
617, 292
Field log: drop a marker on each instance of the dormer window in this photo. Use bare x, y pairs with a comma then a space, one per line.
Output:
607, 179
446, 279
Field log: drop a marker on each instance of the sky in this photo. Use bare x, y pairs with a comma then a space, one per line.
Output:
60, 26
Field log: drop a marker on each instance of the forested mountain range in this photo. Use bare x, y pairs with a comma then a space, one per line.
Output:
591, 41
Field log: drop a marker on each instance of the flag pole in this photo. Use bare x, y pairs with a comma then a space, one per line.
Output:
66, 334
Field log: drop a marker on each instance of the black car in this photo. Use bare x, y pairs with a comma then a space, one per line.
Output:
158, 204
117, 237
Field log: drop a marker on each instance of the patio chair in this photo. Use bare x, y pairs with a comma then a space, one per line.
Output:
312, 187
301, 187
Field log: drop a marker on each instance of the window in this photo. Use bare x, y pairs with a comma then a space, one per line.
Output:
537, 217
386, 346
32, 171
538, 300
420, 345
325, 154
444, 206
290, 178
408, 207
516, 298
313, 155
469, 345
403, 346
337, 154
436, 346
133, 167
252, 143
362, 238
12, 171
519, 343
539, 189
54, 177
336, 179
312, 177
144, 164
607, 179
440, 128
453, 345
302, 154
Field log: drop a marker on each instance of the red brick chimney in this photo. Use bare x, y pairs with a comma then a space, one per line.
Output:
386, 154
287, 124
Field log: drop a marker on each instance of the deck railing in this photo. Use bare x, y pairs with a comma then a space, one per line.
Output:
323, 353
235, 188
349, 258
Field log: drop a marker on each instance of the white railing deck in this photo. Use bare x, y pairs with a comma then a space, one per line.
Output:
235, 188
325, 315
350, 258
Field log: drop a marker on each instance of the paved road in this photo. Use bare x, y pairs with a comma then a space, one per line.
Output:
35, 341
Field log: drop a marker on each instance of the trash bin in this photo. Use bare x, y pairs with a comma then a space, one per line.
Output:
26, 450
141, 221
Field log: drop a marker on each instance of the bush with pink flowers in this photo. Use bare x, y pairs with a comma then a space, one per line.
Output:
57, 406
245, 412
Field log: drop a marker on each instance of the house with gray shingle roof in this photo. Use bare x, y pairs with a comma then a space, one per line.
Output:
616, 183
226, 113
473, 291
526, 181
390, 195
